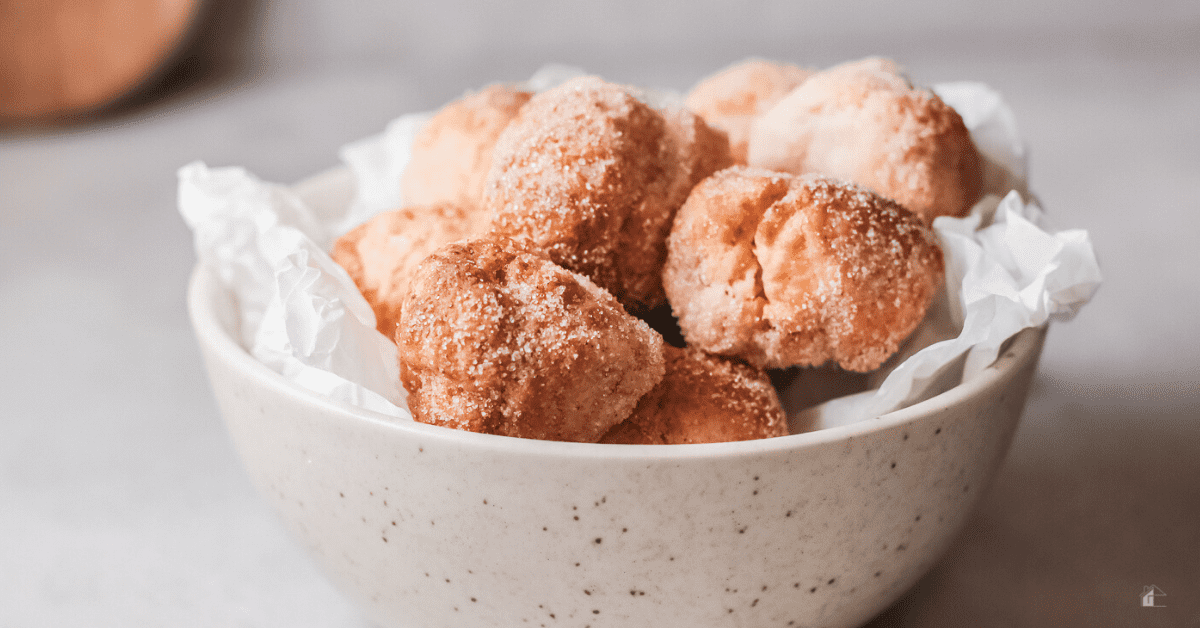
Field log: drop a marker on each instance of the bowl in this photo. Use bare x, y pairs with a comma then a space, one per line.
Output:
428, 526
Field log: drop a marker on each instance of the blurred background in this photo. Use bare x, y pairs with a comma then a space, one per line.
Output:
122, 501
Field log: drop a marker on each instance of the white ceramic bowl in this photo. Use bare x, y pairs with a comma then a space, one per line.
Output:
426, 526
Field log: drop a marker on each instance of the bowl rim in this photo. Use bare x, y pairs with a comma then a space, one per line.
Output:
217, 340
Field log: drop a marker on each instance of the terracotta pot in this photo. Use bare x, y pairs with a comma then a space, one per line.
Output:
62, 58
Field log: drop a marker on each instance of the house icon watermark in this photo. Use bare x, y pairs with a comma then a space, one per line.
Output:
1150, 595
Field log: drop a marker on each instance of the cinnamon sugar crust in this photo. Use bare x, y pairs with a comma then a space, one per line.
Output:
863, 121
500, 340
592, 176
703, 399
731, 99
452, 154
381, 254
784, 270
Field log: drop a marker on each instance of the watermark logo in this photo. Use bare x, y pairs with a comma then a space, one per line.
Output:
1150, 595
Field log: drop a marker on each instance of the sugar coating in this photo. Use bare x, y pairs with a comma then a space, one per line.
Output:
500, 340
452, 154
592, 176
863, 121
783, 270
731, 99
698, 149
381, 254
703, 399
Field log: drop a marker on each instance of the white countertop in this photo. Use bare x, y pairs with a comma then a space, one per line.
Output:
122, 502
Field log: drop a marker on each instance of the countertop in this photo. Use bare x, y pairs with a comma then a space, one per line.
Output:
121, 499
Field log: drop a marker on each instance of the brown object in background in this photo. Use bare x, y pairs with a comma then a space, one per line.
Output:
60, 58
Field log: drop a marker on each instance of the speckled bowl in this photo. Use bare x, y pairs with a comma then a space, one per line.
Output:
426, 526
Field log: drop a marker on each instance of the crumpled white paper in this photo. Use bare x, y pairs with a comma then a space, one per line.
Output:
303, 317
301, 314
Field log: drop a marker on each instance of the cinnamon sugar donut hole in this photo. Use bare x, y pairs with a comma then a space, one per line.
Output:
381, 254
452, 154
500, 340
593, 176
864, 122
698, 149
731, 99
703, 399
783, 270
